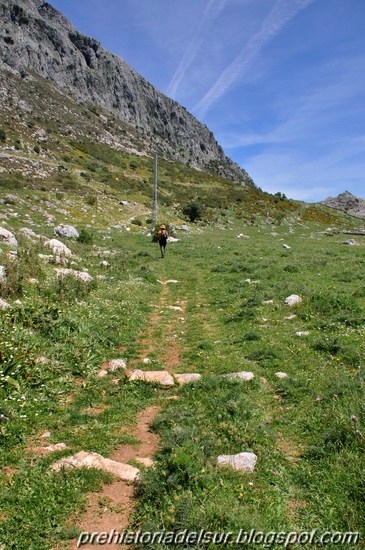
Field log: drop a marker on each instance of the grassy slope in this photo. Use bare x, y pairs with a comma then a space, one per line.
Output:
310, 452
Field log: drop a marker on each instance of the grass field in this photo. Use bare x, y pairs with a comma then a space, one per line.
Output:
307, 429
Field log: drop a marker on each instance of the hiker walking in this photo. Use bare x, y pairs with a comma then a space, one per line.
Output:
162, 236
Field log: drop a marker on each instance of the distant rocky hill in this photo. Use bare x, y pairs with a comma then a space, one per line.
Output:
36, 38
355, 206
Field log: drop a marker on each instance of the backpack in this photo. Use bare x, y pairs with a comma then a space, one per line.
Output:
162, 235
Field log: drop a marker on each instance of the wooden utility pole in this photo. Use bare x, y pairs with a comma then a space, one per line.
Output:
154, 195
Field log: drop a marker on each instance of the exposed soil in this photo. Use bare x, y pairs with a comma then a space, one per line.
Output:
112, 507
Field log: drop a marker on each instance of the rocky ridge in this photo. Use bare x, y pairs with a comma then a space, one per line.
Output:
355, 206
36, 38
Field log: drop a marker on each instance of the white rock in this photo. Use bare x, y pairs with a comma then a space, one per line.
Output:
68, 231
4, 304
104, 263
293, 299
243, 375
290, 317
175, 308
116, 364
147, 462
286, 246
161, 377
268, 302
281, 374
146, 360
302, 333
6, 237
240, 461
55, 447
350, 242
187, 378
58, 248
46, 257
81, 275
85, 459
173, 240
2, 273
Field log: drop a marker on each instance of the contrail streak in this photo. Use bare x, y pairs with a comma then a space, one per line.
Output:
282, 12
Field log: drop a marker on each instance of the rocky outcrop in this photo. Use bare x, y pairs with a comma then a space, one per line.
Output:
355, 206
36, 37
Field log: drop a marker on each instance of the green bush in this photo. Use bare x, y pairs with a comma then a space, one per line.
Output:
2, 135
193, 210
85, 236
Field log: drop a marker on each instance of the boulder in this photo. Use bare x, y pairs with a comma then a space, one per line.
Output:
85, 459
161, 377
6, 237
293, 299
58, 248
350, 242
240, 461
67, 231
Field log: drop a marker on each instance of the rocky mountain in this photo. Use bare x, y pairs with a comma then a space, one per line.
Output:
355, 206
36, 39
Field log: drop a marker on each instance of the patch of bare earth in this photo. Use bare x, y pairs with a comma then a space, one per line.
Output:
112, 507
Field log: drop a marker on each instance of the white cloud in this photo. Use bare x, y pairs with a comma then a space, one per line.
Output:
282, 12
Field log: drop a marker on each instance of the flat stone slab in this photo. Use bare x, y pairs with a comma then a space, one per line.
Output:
161, 377
85, 459
243, 375
240, 461
187, 378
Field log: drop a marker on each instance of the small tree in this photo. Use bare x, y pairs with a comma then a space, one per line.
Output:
193, 210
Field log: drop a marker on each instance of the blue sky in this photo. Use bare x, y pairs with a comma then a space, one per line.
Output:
281, 83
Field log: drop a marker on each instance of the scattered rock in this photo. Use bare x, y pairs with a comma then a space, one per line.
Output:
286, 246
4, 304
46, 257
350, 242
242, 236
302, 333
268, 302
183, 227
67, 231
52, 448
290, 317
161, 377
2, 273
281, 374
187, 378
146, 360
240, 461
175, 308
46, 434
104, 263
293, 299
81, 275
173, 240
243, 375
116, 364
6, 237
58, 247
85, 459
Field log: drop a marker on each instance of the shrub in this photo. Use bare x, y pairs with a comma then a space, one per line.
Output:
193, 210
2, 135
85, 236
92, 200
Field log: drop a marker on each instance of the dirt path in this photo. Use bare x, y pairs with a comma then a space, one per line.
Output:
112, 507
